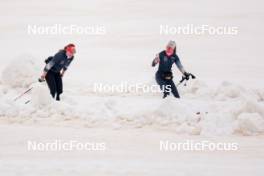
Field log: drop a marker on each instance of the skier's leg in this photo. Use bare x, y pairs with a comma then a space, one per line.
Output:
50, 79
162, 83
59, 86
174, 89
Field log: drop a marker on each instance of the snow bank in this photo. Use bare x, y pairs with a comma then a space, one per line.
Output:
250, 123
20, 72
203, 110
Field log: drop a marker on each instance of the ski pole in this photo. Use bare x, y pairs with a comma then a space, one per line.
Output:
181, 81
184, 78
192, 76
27, 102
28, 90
41, 80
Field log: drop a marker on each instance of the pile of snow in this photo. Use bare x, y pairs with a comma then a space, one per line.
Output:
40, 96
203, 110
250, 123
20, 72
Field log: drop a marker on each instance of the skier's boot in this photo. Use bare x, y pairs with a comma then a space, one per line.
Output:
165, 94
58, 97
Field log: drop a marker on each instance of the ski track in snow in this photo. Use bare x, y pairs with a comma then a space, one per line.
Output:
224, 110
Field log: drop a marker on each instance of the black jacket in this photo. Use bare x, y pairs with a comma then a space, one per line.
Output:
58, 62
166, 62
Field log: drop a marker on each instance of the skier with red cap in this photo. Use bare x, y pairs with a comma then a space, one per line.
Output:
164, 76
55, 69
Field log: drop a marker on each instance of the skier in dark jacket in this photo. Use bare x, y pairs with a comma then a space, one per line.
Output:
55, 69
164, 76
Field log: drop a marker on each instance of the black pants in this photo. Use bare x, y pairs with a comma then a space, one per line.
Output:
54, 82
167, 86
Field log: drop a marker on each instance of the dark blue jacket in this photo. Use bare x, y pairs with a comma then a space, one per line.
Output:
58, 62
166, 62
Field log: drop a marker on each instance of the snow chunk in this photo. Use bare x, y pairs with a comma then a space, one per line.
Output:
250, 123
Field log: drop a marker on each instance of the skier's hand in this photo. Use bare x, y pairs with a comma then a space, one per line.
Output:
155, 61
41, 80
186, 75
62, 73
42, 77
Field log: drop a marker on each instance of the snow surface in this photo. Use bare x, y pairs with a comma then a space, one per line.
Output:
128, 153
228, 91
224, 110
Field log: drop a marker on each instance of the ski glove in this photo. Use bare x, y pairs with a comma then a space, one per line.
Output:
155, 61
188, 75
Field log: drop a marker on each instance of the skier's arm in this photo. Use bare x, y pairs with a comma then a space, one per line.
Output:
49, 65
155, 61
179, 65
62, 72
65, 67
53, 61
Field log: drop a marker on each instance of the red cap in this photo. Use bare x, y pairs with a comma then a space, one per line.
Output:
70, 48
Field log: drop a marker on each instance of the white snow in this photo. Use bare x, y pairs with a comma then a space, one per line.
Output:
137, 154
250, 123
228, 92
20, 72
223, 110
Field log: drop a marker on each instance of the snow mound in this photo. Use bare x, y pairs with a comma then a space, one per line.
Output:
40, 96
20, 72
250, 123
180, 116
203, 110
